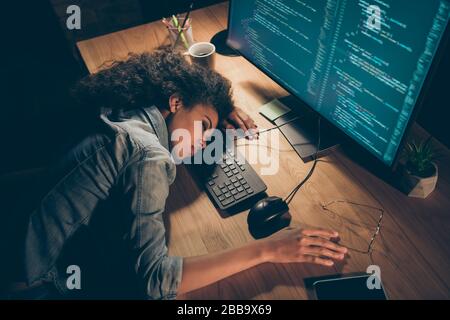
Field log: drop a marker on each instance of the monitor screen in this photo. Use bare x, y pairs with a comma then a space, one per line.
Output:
361, 64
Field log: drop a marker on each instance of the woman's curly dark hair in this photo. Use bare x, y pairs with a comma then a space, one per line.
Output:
151, 78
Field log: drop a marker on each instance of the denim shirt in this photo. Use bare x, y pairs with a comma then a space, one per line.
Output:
131, 154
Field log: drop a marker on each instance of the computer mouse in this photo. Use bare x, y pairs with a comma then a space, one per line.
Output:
268, 216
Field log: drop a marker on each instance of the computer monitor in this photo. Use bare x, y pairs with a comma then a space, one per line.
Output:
360, 64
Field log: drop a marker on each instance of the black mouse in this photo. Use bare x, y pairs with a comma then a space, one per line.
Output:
268, 216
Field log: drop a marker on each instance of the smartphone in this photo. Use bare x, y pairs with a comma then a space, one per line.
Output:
348, 288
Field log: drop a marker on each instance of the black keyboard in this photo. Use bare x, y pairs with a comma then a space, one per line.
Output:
232, 182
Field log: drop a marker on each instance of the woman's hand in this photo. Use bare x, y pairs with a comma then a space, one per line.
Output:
289, 245
239, 119
309, 246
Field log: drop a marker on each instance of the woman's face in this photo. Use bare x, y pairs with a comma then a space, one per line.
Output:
190, 128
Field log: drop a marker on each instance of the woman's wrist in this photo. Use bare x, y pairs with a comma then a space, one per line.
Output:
266, 250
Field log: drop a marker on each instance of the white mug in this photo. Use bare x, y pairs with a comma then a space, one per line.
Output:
203, 54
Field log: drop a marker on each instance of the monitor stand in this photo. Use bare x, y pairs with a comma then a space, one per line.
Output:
219, 40
302, 134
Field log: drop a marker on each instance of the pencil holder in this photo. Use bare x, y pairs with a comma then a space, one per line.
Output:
180, 33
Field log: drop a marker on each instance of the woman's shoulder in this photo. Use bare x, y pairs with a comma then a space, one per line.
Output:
137, 137
134, 125
152, 160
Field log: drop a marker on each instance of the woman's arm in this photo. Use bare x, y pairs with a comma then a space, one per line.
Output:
289, 246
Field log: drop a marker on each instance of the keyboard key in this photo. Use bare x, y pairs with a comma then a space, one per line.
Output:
240, 195
228, 201
217, 191
229, 184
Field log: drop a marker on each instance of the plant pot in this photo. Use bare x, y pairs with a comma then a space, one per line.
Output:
418, 187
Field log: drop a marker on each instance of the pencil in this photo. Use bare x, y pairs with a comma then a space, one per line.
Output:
180, 29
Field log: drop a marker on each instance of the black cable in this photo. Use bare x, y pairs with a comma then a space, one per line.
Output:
294, 191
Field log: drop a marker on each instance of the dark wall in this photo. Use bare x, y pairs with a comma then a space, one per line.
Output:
435, 113
105, 16
37, 68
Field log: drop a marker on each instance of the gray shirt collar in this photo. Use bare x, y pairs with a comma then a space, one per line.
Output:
158, 123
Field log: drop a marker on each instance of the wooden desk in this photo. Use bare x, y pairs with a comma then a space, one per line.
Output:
413, 249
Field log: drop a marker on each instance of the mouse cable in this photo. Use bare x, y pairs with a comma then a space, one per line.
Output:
292, 194
294, 191
267, 130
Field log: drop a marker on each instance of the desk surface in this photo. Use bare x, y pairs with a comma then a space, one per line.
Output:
412, 251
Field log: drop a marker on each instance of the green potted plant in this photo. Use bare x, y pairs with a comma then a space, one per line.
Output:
420, 171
